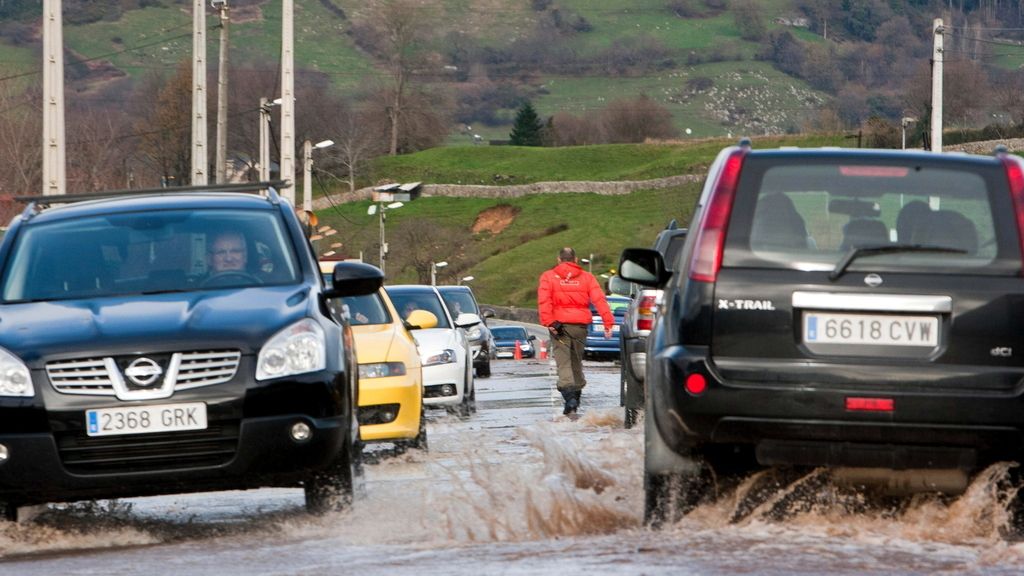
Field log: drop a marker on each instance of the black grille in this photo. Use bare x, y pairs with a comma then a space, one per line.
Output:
83, 454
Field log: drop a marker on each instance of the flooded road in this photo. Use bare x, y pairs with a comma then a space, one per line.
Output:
519, 489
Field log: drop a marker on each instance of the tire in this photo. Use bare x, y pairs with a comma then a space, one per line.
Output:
8, 512
633, 400
332, 489
484, 369
669, 497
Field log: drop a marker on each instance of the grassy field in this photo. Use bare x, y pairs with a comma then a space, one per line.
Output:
506, 265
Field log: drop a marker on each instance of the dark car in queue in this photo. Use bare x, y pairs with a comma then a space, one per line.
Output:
507, 337
850, 309
596, 346
637, 323
132, 366
460, 300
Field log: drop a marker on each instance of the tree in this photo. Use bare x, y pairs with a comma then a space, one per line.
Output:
165, 126
417, 242
637, 119
527, 129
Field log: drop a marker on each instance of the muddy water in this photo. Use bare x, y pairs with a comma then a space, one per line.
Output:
519, 489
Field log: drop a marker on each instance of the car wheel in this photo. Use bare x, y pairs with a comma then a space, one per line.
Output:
332, 489
484, 369
669, 497
633, 400
8, 512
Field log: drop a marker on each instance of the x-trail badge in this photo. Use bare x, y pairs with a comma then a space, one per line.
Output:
143, 372
873, 280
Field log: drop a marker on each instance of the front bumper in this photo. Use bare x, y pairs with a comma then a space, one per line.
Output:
246, 444
439, 378
404, 391
799, 416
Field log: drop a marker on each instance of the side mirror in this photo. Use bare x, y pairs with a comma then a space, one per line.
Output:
618, 285
643, 266
488, 313
354, 279
420, 320
465, 320
532, 337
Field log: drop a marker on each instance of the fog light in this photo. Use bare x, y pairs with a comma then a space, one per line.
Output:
4, 454
301, 432
448, 390
696, 384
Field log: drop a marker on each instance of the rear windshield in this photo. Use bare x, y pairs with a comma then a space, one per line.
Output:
408, 301
149, 253
809, 215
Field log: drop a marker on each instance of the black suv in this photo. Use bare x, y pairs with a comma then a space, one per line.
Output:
851, 309
134, 362
637, 323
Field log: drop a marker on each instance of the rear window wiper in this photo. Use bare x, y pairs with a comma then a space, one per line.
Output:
857, 252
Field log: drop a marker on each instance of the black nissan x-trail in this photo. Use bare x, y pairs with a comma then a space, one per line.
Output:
172, 342
855, 310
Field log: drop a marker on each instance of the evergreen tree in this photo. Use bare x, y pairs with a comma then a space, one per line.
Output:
527, 130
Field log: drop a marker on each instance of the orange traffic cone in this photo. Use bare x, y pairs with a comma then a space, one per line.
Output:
543, 354
517, 354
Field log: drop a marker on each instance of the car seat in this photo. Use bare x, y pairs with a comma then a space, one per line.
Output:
861, 232
952, 229
777, 224
912, 222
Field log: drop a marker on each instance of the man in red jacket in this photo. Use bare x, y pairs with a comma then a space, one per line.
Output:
564, 296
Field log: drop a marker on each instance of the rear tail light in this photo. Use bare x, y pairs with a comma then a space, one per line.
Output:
1015, 176
707, 254
855, 404
645, 312
696, 384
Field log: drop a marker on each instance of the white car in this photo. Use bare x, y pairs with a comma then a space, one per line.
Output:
444, 350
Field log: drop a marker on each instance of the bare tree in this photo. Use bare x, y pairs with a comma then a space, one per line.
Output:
97, 151
165, 131
401, 29
356, 144
416, 242
21, 129
637, 119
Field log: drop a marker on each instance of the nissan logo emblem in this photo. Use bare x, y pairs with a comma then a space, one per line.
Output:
873, 280
143, 371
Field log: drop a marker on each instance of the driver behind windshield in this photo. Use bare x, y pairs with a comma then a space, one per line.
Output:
227, 253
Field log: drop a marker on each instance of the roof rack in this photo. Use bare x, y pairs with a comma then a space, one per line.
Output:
242, 187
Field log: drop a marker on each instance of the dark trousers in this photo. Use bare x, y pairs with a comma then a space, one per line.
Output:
568, 352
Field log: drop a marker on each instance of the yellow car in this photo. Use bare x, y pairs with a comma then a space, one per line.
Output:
390, 376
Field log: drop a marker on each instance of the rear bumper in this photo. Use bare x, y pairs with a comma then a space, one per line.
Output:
602, 346
802, 419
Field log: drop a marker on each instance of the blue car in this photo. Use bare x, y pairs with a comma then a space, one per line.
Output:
599, 347
505, 338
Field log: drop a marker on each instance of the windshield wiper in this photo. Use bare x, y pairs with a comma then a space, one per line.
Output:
859, 251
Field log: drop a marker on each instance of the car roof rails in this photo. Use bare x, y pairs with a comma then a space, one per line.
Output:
36, 202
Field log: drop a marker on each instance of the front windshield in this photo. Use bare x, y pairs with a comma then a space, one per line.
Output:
459, 302
408, 301
149, 253
508, 333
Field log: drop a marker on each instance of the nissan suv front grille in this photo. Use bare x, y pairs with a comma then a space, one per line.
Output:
103, 377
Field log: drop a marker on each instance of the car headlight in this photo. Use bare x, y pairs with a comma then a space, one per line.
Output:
15, 379
475, 334
445, 357
524, 346
297, 349
381, 370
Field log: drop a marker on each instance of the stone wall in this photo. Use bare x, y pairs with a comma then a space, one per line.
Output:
520, 190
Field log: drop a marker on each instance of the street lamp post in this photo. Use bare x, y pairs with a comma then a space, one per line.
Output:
265, 105
379, 209
307, 171
466, 279
433, 271
903, 122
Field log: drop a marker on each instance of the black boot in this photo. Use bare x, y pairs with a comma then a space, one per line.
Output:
572, 400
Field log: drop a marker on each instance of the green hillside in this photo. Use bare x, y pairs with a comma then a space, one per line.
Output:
505, 265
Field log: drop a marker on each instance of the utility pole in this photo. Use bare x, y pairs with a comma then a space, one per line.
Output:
264, 140
199, 163
288, 100
54, 145
222, 94
937, 31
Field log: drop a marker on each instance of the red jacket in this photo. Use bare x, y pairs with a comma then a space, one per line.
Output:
564, 294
